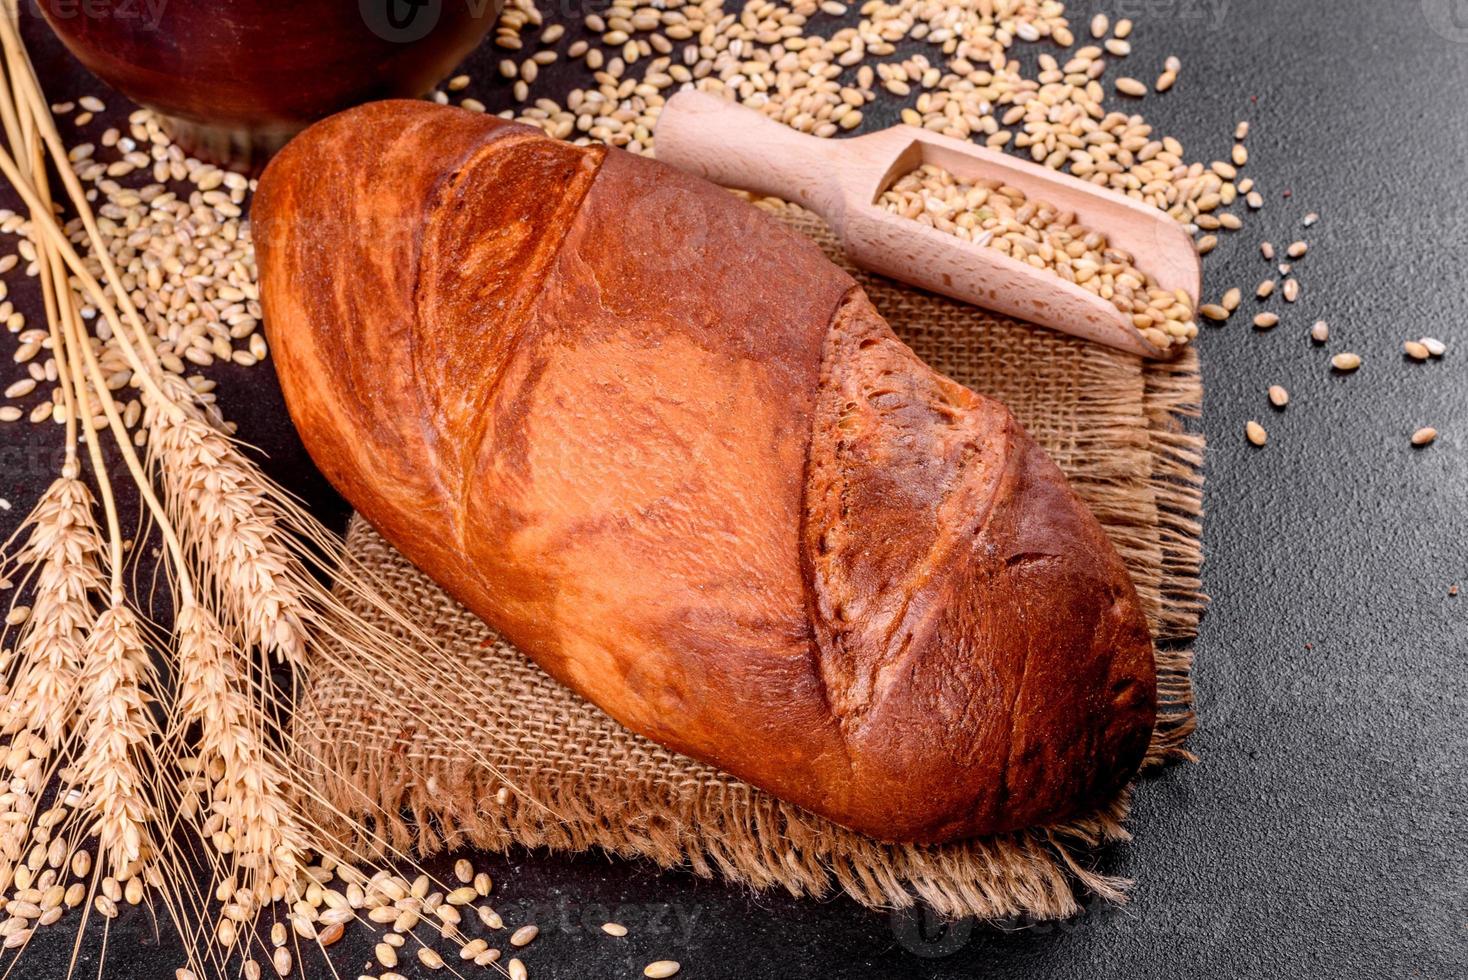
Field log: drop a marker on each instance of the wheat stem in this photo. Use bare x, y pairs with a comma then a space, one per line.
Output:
29, 90
46, 226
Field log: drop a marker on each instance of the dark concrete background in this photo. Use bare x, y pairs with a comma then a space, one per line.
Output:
1322, 834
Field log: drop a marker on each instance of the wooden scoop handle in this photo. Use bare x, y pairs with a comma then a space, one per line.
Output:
731, 145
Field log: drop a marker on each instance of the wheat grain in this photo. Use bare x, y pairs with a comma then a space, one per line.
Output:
1004, 218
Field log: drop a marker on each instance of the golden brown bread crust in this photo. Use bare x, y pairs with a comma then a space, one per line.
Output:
671, 452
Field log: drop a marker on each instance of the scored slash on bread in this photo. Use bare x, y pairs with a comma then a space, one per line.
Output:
667, 449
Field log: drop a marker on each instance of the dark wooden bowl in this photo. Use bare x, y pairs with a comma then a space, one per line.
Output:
235, 79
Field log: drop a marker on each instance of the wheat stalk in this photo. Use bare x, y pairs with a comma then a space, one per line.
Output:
241, 556
63, 554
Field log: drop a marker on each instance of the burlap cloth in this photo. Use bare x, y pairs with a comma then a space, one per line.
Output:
499, 754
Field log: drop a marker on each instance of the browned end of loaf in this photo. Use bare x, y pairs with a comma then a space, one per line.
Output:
671, 452
980, 640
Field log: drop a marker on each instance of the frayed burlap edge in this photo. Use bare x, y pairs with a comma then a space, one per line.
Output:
419, 794
1174, 395
743, 837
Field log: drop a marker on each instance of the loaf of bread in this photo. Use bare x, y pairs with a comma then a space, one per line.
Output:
673, 454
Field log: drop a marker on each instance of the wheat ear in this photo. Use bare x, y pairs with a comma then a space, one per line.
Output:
115, 724
65, 548
62, 550
229, 530
245, 784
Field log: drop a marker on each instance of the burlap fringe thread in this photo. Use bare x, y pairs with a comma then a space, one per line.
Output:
412, 786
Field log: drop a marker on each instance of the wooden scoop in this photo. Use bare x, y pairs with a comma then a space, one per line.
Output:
842, 179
